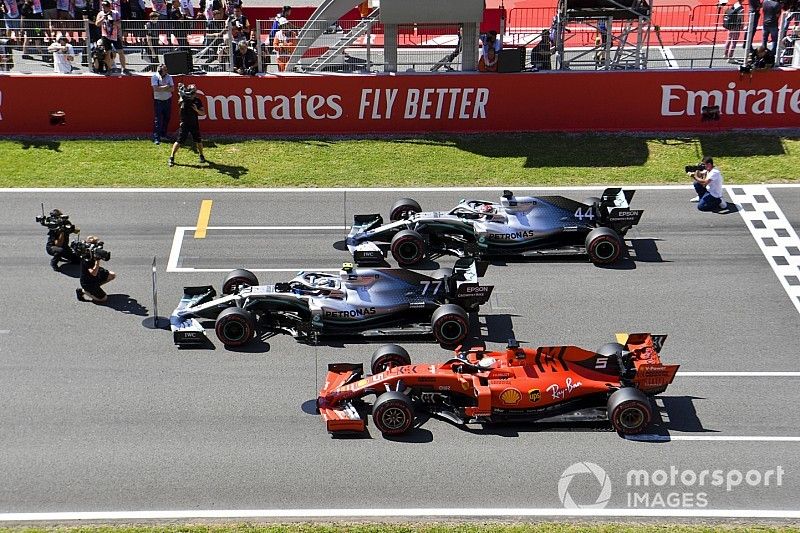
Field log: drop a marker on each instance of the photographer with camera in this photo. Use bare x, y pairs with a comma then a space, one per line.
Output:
59, 229
63, 55
110, 25
708, 185
93, 276
191, 109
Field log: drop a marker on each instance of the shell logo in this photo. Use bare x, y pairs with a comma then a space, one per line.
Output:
510, 396
534, 395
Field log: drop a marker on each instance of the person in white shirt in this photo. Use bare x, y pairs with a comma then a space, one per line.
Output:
708, 186
63, 54
162, 85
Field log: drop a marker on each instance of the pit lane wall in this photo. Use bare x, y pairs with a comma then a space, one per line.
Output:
412, 103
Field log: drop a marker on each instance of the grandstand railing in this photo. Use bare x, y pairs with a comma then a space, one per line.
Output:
682, 31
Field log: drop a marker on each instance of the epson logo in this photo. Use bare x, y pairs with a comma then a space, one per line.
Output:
362, 311
512, 236
626, 213
477, 290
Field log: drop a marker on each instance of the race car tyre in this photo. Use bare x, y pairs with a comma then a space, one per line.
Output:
603, 246
235, 327
441, 273
629, 411
237, 278
389, 356
403, 208
610, 349
450, 324
408, 248
393, 413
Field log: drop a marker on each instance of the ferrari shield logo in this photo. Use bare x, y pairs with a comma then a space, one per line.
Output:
534, 395
510, 396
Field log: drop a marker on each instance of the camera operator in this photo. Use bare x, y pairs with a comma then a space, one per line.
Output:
245, 61
93, 276
111, 29
59, 229
708, 185
191, 109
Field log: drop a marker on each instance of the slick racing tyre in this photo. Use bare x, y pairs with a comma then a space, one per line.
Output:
238, 278
388, 356
403, 208
235, 327
629, 411
450, 324
603, 246
408, 248
610, 349
393, 413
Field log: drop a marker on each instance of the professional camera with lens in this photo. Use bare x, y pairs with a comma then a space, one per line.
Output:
186, 92
91, 251
695, 168
56, 220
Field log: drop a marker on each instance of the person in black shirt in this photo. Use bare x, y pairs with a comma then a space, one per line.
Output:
772, 14
58, 243
245, 60
191, 109
93, 277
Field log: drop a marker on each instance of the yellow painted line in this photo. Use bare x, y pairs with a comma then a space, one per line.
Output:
202, 219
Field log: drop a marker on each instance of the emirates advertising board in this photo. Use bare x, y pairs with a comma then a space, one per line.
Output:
412, 103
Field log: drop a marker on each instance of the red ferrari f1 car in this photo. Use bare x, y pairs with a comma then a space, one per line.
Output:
552, 384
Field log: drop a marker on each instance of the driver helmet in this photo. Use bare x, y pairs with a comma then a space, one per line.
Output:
91, 239
487, 362
487, 208
55, 213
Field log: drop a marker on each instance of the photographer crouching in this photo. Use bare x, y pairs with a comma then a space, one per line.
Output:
59, 228
191, 109
93, 276
708, 185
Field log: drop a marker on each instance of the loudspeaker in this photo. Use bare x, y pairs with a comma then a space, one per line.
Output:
178, 62
511, 60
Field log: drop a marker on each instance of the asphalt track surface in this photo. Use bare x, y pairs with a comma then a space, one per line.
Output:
100, 413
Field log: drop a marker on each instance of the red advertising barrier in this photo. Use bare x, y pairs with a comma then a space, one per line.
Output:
415, 103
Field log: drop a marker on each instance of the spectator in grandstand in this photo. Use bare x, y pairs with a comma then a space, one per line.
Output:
162, 85
151, 40
762, 58
488, 61
491, 40
772, 14
135, 9
64, 10
733, 21
11, 14
284, 43
31, 25
708, 186
63, 55
285, 14
174, 11
160, 9
540, 54
187, 9
245, 60
363, 9
755, 11
110, 27
229, 40
191, 109
243, 21
49, 9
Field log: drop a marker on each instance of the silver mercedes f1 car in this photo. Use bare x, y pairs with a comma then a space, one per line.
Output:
517, 225
356, 301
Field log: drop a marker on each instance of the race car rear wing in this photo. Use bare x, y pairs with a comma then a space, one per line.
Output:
464, 286
614, 208
647, 373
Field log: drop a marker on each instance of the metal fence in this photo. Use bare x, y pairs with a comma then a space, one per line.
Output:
682, 38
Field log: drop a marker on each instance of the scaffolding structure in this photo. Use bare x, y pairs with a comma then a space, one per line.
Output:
622, 29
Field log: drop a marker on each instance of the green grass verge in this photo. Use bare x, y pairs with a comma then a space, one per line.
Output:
544, 527
433, 160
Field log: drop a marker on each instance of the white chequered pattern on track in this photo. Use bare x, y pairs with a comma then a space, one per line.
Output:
773, 233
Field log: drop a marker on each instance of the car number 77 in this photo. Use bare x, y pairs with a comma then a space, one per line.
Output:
433, 285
